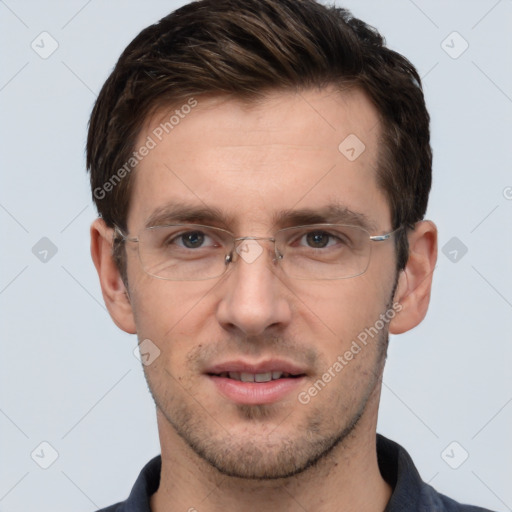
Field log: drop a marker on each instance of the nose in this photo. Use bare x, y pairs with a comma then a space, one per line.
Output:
254, 298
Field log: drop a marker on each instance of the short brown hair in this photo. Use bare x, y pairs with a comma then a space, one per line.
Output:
246, 48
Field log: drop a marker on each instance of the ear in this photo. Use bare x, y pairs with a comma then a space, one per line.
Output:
415, 281
113, 289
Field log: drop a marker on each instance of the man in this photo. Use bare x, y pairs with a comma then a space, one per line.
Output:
262, 169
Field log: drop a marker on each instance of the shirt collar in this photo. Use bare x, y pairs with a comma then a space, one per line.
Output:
146, 484
397, 468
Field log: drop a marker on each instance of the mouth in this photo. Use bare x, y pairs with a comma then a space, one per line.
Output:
256, 377
251, 384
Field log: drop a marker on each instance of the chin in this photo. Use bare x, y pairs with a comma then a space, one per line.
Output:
258, 447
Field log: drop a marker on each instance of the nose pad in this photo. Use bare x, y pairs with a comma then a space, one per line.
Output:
249, 253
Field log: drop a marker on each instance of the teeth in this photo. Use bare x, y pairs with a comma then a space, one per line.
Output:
255, 377
263, 377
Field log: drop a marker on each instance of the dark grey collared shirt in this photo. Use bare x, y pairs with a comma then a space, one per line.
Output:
410, 493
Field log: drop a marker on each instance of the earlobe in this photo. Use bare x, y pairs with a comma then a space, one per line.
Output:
114, 291
415, 280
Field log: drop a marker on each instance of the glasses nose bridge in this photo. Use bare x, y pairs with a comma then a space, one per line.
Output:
242, 238
238, 247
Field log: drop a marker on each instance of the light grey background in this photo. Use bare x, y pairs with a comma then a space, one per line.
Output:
69, 376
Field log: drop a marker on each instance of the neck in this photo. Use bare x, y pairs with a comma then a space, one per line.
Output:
347, 479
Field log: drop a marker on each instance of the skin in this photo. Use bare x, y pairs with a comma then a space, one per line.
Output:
251, 160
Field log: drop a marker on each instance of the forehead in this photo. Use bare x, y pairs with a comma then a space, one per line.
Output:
250, 159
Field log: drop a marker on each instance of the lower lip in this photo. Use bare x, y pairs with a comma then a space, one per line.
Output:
256, 393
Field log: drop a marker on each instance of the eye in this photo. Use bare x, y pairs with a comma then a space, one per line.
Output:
318, 239
321, 239
184, 240
175, 238
191, 239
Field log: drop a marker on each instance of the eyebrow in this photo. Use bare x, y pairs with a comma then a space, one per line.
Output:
178, 212
333, 213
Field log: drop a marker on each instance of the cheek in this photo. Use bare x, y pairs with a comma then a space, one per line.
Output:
172, 315
160, 304
341, 309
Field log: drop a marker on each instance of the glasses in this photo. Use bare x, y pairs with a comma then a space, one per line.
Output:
192, 252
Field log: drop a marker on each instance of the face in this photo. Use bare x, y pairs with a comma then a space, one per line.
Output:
256, 165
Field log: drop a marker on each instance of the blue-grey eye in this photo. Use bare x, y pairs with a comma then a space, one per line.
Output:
193, 239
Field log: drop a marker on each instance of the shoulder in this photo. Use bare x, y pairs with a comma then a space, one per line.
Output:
118, 507
410, 492
146, 484
437, 501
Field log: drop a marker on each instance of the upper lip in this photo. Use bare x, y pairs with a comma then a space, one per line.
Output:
271, 365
